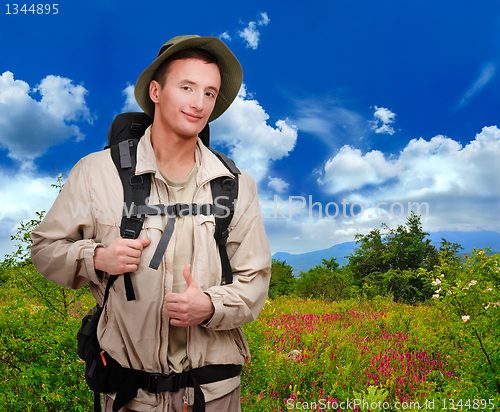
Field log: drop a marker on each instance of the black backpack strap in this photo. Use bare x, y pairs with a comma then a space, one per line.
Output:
230, 165
136, 189
224, 193
158, 383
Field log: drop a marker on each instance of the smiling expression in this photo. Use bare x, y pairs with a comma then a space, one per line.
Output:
184, 104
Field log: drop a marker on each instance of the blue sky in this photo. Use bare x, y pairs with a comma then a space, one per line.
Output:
366, 103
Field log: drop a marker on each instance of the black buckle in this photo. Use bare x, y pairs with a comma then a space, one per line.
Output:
129, 234
153, 382
136, 180
158, 382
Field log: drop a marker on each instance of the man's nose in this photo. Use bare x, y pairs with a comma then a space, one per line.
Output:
197, 101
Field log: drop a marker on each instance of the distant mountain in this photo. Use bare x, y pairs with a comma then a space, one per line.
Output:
304, 261
468, 240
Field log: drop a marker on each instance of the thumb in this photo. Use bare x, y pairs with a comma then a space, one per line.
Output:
187, 276
145, 242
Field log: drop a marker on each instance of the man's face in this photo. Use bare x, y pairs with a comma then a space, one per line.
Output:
184, 104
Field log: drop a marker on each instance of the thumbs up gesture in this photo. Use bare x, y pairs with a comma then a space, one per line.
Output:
190, 307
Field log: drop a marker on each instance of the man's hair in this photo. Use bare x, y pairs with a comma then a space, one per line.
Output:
161, 72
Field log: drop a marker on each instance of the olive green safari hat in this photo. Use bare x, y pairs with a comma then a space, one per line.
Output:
229, 66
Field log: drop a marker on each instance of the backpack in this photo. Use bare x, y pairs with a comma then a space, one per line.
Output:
102, 373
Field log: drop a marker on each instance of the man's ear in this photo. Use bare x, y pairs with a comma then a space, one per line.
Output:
154, 88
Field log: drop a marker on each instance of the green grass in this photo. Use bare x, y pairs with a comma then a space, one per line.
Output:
302, 351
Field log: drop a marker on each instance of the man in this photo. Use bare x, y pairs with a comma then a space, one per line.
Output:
184, 316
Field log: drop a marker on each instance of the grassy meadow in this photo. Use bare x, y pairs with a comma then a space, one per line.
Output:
404, 326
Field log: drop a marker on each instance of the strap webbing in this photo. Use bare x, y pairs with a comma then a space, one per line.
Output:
136, 189
162, 244
157, 383
224, 193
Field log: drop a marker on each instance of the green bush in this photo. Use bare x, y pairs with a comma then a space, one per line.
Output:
469, 295
326, 281
282, 279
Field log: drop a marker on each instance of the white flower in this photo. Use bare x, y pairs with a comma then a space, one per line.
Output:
472, 283
437, 291
435, 296
436, 282
465, 318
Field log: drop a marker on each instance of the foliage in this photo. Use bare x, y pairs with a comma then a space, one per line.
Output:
326, 281
469, 294
388, 264
305, 351
39, 369
282, 279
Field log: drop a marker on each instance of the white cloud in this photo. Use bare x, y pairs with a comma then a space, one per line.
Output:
277, 184
264, 20
484, 77
21, 195
251, 34
130, 102
459, 183
439, 166
350, 170
252, 143
332, 124
383, 118
29, 126
225, 36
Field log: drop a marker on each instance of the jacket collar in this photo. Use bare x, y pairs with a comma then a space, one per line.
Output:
209, 166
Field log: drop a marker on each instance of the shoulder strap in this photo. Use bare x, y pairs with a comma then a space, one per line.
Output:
224, 194
136, 189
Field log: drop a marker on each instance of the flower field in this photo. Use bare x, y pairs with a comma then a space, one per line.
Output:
355, 354
307, 351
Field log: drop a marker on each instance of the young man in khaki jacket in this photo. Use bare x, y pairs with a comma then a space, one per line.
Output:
184, 316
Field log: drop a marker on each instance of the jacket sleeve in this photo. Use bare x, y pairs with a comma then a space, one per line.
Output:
63, 244
250, 257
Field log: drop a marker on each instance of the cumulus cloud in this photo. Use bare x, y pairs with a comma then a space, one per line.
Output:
30, 126
484, 77
351, 170
252, 143
382, 120
453, 187
21, 194
130, 102
251, 34
278, 185
459, 183
439, 165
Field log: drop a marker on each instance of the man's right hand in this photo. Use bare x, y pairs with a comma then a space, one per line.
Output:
121, 256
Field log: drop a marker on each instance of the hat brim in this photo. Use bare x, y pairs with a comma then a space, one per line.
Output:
229, 66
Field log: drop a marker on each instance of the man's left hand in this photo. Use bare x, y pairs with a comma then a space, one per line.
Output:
190, 307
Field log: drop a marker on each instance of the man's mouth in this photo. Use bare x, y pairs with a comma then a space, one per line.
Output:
192, 116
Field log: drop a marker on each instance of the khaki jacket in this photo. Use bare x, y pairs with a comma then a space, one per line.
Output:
87, 214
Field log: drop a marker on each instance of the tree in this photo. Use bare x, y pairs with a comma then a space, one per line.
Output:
325, 281
389, 263
282, 279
